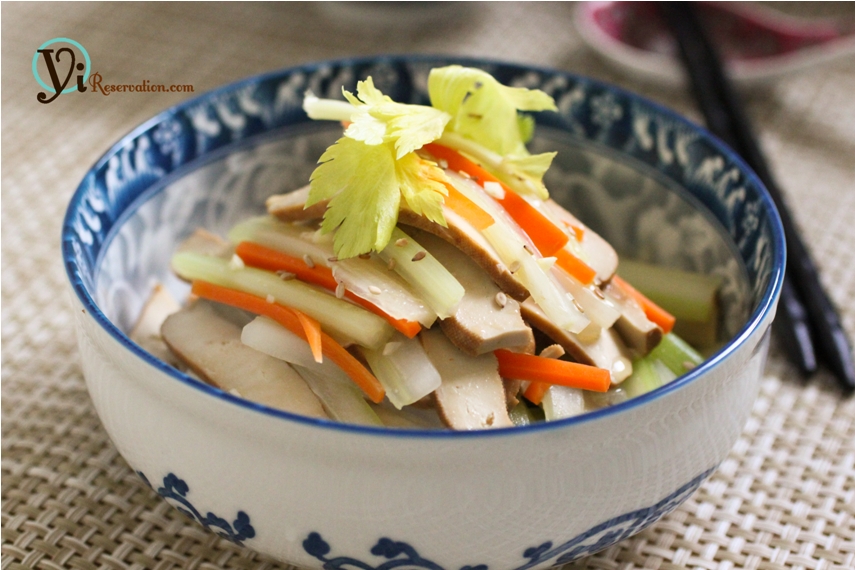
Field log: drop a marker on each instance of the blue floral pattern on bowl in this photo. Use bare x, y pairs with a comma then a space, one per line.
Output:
176, 491
401, 554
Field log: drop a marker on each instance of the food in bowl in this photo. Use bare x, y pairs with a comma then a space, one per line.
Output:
316, 493
421, 264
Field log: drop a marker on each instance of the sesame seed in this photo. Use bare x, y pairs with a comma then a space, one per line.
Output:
391, 265
494, 189
515, 266
402, 242
365, 256
374, 290
419, 256
332, 259
553, 351
271, 299
285, 275
578, 306
501, 299
308, 260
599, 293
443, 163
236, 262
339, 290
688, 365
234, 392
464, 174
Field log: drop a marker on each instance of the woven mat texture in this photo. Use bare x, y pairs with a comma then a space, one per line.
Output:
785, 496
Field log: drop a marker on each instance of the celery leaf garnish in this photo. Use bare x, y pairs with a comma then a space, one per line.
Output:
483, 109
369, 170
486, 112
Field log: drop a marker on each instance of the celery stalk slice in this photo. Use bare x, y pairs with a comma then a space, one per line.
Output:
644, 378
427, 276
676, 354
339, 318
405, 370
523, 415
687, 296
343, 401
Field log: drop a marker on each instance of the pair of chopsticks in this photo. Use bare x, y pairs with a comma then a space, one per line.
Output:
809, 324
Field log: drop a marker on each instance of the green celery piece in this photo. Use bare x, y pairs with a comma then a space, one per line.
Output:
644, 378
687, 296
439, 289
676, 354
342, 400
522, 414
340, 319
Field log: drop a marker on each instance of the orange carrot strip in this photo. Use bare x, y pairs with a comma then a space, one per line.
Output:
654, 312
546, 236
288, 319
574, 266
467, 209
262, 257
552, 371
312, 328
535, 392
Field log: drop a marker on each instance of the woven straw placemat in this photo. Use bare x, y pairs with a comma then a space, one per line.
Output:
785, 496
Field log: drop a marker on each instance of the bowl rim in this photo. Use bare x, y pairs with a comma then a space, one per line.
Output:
766, 304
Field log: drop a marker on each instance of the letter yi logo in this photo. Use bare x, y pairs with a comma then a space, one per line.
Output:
61, 58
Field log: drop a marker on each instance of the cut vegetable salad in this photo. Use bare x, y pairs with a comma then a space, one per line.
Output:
424, 278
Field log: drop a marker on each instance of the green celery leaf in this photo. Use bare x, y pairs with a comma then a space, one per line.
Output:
378, 119
361, 184
364, 184
483, 109
422, 186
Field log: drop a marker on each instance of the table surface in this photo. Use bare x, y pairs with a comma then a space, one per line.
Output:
783, 498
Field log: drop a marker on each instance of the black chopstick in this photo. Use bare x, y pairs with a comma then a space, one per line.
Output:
806, 313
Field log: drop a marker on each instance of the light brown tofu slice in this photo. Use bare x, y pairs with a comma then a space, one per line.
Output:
472, 395
640, 333
481, 323
146, 331
210, 346
606, 351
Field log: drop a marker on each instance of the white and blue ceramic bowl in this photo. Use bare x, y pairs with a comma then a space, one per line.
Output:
319, 494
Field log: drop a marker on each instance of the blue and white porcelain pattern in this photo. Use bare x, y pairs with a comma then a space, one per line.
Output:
654, 184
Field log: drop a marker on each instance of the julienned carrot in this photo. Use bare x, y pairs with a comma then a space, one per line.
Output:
467, 209
654, 312
546, 236
262, 257
583, 272
535, 392
552, 371
312, 328
288, 319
